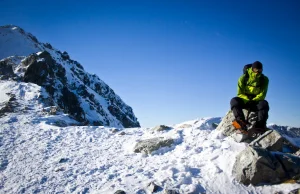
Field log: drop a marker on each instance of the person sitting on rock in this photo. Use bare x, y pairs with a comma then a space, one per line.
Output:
251, 94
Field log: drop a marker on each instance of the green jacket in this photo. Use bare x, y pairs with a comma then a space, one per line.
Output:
252, 90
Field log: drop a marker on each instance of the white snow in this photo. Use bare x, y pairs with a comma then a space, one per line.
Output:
39, 157
3, 94
12, 43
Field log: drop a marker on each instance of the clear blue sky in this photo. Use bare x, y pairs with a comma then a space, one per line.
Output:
174, 61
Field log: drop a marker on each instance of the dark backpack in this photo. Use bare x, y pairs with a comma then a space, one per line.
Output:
246, 78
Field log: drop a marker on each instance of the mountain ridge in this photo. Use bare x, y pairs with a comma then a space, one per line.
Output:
82, 95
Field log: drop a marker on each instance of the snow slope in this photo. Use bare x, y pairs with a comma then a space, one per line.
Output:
38, 157
15, 41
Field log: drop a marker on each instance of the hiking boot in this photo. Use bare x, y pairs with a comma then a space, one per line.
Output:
243, 125
240, 125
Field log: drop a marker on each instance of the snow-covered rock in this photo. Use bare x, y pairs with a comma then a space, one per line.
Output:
81, 95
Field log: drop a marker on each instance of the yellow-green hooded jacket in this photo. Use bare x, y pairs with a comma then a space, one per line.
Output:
253, 89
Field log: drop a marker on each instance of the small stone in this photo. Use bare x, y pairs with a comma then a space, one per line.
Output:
60, 169
63, 160
122, 133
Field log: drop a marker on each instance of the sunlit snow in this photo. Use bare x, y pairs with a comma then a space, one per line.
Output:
37, 156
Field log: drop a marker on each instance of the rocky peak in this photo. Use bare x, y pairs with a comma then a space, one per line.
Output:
83, 96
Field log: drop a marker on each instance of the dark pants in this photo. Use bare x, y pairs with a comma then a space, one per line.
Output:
261, 107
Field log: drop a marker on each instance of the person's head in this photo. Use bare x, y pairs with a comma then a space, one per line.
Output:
257, 67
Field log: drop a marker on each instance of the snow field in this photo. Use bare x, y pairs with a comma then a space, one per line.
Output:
44, 158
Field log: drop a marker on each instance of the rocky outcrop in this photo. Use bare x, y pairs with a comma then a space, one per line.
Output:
10, 106
6, 70
226, 126
259, 166
83, 96
149, 145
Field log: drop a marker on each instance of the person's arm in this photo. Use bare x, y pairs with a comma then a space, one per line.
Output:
241, 89
263, 93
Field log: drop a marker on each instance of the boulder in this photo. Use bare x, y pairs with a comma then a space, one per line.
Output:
149, 145
161, 128
270, 140
259, 166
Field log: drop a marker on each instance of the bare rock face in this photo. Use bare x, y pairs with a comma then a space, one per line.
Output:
10, 106
259, 166
6, 70
149, 145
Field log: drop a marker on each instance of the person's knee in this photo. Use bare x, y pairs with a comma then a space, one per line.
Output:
236, 101
263, 105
